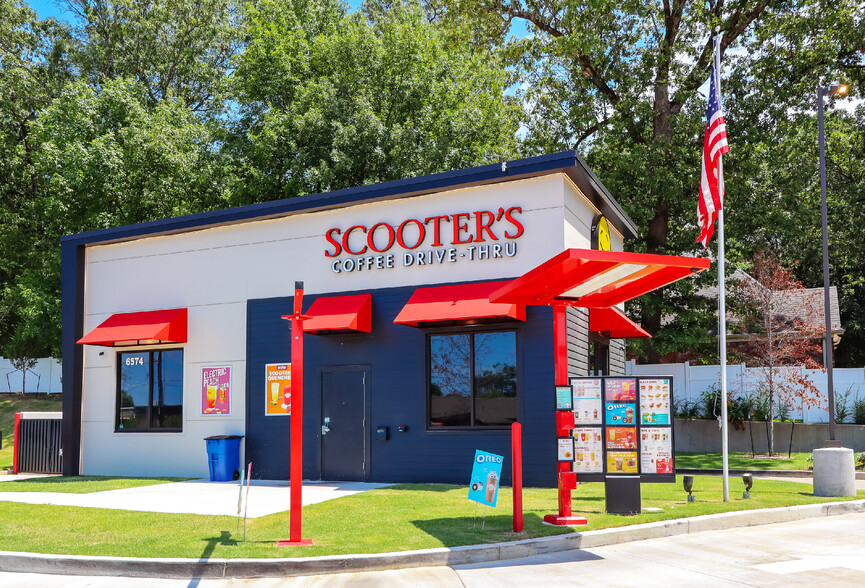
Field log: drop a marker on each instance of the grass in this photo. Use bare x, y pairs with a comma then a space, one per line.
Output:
12, 403
742, 461
80, 484
403, 517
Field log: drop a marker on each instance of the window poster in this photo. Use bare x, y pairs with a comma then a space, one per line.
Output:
620, 414
566, 448
277, 389
587, 401
656, 450
588, 450
564, 398
621, 462
655, 401
621, 390
621, 437
216, 390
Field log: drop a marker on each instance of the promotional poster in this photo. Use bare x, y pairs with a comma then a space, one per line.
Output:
278, 389
486, 475
216, 390
587, 401
588, 450
656, 450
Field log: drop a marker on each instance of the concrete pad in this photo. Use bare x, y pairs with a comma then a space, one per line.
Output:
198, 497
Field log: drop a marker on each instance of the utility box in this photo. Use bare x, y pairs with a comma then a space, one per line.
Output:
37, 443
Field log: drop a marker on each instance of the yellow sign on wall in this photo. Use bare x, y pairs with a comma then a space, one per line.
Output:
600, 233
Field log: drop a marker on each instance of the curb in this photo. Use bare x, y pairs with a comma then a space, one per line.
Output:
860, 475
82, 565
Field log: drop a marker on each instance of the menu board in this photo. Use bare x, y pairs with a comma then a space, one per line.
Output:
588, 450
620, 414
655, 401
563, 398
566, 448
622, 462
656, 450
587, 401
620, 390
621, 437
622, 426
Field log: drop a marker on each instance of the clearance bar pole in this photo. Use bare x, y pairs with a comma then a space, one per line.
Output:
296, 475
517, 475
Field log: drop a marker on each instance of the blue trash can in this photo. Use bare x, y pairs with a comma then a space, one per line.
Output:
224, 457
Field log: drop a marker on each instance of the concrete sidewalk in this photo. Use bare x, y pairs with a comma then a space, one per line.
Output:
200, 497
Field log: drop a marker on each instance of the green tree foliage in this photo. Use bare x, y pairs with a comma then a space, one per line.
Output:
148, 110
172, 48
620, 81
331, 100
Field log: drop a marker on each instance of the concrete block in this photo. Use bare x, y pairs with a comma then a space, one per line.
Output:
834, 472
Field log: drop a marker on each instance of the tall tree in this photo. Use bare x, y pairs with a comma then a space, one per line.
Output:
331, 100
34, 67
780, 321
621, 80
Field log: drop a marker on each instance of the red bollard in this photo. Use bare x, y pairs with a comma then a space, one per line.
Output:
517, 475
15, 443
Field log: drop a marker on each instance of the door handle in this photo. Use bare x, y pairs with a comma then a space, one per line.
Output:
325, 428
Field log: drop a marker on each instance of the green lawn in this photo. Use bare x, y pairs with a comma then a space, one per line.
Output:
742, 461
80, 484
12, 403
397, 518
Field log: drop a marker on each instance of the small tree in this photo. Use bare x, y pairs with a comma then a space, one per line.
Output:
780, 327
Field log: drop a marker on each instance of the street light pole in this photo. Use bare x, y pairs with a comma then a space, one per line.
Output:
829, 339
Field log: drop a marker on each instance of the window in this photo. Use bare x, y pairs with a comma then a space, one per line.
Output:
599, 357
473, 379
150, 391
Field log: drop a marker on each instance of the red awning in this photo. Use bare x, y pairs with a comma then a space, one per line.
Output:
614, 322
460, 303
139, 328
339, 313
596, 279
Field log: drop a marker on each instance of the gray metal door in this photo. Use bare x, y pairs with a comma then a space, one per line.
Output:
344, 438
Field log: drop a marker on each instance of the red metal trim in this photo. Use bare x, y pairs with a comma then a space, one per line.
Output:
340, 313
560, 335
161, 326
15, 443
574, 267
460, 302
517, 474
615, 323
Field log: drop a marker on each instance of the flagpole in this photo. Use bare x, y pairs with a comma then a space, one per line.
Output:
722, 305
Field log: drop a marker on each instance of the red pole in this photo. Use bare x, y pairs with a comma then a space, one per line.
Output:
567, 480
296, 474
517, 475
15, 443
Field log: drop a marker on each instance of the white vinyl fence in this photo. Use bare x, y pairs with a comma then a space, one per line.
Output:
690, 381
43, 378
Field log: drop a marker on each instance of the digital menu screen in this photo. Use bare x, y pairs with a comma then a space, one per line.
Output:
655, 394
587, 401
588, 450
656, 450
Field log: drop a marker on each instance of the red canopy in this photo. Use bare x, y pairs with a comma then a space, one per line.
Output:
596, 279
615, 322
139, 328
339, 313
458, 303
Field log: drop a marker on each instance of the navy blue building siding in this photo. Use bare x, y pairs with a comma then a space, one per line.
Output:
396, 356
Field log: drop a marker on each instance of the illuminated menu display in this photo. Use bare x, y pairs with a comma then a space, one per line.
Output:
622, 426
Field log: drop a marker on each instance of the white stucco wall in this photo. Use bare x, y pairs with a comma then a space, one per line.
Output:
213, 273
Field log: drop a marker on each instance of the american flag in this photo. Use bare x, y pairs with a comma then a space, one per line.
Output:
714, 146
